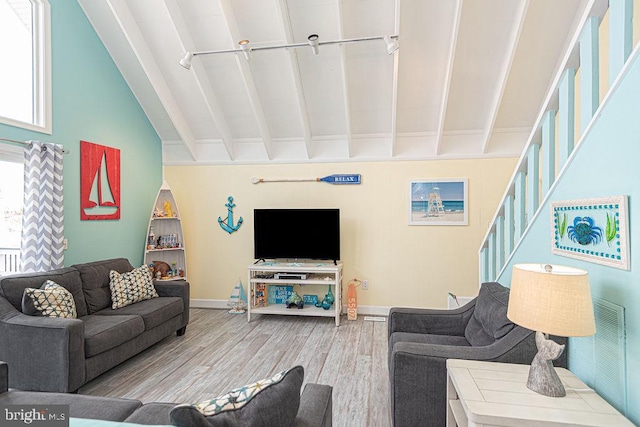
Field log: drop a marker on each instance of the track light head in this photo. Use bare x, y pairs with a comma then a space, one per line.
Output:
185, 62
313, 42
392, 45
246, 48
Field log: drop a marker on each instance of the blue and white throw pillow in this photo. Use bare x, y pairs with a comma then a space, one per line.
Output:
270, 402
131, 287
238, 397
51, 300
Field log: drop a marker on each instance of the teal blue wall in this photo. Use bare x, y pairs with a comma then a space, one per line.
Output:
607, 164
92, 102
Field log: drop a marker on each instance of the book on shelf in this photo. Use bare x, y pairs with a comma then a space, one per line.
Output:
278, 294
260, 295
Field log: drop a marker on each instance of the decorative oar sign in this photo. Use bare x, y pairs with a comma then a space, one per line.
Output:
227, 223
336, 179
341, 179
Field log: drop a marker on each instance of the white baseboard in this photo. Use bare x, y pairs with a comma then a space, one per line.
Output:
209, 303
370, 310
374, 310
452, 303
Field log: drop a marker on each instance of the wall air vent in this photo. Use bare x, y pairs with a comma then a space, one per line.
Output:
600, 360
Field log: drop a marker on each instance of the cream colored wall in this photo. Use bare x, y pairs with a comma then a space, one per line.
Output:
405, 265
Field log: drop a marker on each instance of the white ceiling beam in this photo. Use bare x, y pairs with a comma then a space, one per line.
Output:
285, 21
394, 94
199, 73
457, 15
345, 81
247, 77
503, 77
131, 31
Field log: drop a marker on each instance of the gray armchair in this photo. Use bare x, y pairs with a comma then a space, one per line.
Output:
421, 340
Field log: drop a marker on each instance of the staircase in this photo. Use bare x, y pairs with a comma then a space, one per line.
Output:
602, 44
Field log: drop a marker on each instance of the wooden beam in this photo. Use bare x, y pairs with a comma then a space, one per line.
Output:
484, 265
533, 181
548, 151
247, 78
283, 13
520, 204
509, 225
131, 32
200, 75
448, 74
620, 35
394, 94
491, 265
567, 115
503, 76
345, 81
589, 71
499, 243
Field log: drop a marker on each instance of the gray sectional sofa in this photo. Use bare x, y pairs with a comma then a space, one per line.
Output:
59, 354
314, 408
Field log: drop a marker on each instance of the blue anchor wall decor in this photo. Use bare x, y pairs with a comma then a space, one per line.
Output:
227, 223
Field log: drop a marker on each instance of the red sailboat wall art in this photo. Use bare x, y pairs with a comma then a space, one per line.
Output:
99, 182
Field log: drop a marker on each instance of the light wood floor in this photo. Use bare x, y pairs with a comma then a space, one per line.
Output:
221, 351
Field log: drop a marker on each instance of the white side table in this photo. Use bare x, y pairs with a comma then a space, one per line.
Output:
496, 394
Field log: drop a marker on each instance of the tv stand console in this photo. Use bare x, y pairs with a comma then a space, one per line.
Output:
319, 278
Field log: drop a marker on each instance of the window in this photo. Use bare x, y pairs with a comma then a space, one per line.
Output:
11, 202
25, 77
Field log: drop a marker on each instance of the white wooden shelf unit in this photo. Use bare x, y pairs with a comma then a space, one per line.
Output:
165, 226
319, 277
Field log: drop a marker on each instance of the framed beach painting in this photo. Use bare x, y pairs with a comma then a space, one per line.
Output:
592, 230
438, 202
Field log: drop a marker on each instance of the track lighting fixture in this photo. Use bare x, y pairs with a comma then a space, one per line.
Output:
313, 40
246, 49
186, 60
392, 45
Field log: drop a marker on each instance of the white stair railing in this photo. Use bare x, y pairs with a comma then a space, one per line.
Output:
538, 169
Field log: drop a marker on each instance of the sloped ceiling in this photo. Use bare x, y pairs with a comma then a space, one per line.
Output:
468, 80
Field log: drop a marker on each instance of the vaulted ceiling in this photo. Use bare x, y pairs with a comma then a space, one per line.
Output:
468, 80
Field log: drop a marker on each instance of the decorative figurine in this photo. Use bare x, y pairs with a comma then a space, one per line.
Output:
238, 299
294, 300
167, 209
157, 213
162, 268
151, 243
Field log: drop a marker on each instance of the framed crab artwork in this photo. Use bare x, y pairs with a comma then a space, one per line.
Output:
593, 230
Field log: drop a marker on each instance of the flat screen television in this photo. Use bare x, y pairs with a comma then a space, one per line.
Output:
296, 234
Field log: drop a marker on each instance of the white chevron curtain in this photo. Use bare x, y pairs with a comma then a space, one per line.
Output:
42, 216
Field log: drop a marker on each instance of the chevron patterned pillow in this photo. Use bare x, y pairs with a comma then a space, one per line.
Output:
51, 300
131, 287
